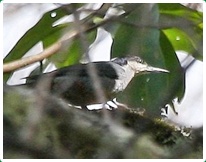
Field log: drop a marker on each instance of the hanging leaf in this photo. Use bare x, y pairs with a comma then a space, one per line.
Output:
183, 28
37, 33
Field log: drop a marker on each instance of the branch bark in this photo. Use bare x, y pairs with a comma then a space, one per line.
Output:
14, 65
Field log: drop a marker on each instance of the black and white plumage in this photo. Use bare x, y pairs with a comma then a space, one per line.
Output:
73, 83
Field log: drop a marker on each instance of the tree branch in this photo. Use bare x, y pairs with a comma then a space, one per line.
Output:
14, 65
17, 64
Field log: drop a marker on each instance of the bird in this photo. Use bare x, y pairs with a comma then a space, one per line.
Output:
74, 84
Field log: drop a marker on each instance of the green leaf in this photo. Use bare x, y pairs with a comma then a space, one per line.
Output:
179, 10
185, 24
180, 40
176, 81
73, 51
38, 32
131, 40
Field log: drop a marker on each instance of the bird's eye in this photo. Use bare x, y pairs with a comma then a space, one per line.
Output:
120, 61
140, 60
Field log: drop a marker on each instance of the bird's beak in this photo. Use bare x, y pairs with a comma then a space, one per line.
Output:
155, 69
144, 68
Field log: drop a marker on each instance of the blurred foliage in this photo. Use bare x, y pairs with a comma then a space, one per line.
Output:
42, 126
183, 27
152, 31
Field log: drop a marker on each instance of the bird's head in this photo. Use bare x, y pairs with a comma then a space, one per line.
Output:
137, 65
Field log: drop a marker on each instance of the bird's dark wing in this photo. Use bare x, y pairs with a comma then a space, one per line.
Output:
73, 81
104, 70
74, 84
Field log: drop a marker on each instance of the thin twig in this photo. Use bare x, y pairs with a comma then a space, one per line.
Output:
91, 67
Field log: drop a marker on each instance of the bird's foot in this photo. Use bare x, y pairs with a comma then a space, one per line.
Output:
120, 104
164, 110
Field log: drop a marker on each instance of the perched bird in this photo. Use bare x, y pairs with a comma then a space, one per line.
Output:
74, 84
